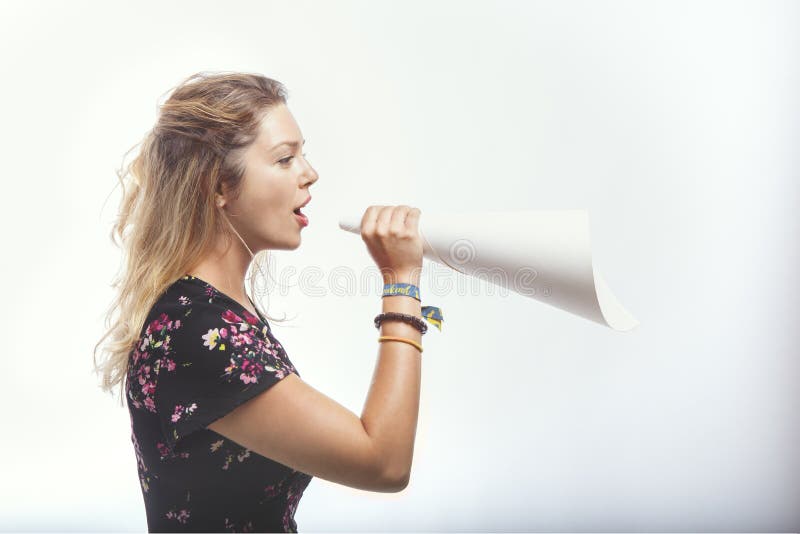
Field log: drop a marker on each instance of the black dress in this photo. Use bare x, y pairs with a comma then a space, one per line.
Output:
200, 355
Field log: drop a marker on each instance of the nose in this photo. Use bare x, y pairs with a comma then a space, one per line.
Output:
310, 176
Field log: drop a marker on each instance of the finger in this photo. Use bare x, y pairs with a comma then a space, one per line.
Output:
398, 222
384, 218
412, 220
369, 220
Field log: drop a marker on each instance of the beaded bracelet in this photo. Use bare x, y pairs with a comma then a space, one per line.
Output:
404, 340
413, 320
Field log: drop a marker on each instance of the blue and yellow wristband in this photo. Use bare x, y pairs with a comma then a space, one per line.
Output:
432, 314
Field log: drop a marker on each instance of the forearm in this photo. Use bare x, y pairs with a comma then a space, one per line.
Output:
392, 406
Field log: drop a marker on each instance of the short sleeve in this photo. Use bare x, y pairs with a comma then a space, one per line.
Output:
217, 357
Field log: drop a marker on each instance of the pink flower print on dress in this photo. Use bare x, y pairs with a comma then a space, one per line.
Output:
165, 345
160, 324
180, 411
148, 388
239, 340
145, 372
148, 359
230, 526
280, 374
250, 318
296, 489
181, 516
230, 317
144, 476
272, 491
163, 450
164, 362
250, 370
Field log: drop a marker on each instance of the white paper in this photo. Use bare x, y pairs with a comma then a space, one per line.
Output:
541, 254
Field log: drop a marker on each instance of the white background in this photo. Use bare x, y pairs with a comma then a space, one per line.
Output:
675, 124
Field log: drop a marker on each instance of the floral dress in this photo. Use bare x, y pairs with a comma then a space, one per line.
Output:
200, 355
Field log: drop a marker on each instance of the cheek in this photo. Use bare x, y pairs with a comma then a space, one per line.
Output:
272, 201
268, 195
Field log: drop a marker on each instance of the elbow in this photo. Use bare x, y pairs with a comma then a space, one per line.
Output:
397, 481
403, 483
393, 474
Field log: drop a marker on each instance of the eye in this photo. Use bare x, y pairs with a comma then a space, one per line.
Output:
285, 161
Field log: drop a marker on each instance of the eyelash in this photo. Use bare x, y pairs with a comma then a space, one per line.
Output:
281, 161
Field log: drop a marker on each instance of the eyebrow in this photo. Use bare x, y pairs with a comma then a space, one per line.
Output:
293, 144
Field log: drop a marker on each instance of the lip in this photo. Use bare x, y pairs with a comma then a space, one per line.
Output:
302, 219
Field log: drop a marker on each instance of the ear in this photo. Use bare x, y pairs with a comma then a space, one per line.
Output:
219, 197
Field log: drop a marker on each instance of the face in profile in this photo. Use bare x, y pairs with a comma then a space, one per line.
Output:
276, 182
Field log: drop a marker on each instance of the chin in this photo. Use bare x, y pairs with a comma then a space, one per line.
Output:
295, 245
283, 242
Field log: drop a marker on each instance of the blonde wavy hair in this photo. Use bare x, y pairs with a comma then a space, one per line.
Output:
167, 219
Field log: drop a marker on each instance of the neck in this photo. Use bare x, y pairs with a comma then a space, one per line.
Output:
225, 270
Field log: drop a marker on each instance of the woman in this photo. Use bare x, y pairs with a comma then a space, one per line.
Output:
226, 434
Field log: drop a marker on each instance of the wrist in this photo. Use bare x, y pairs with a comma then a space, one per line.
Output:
404, 276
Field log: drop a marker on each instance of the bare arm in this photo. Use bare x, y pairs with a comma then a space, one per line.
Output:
392, 406
298, 426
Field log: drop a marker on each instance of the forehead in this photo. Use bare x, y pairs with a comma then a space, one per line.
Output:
278, 126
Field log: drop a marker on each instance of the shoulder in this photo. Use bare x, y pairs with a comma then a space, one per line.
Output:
182, 306
208, 338
194, 312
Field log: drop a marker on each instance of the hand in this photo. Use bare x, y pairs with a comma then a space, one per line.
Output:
391, 234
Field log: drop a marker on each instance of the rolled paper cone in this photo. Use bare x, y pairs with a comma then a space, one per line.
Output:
541, 254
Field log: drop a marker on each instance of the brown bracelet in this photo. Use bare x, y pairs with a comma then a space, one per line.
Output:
404, 340
413, 320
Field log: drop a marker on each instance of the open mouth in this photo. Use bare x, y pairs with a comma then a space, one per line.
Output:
301, 217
